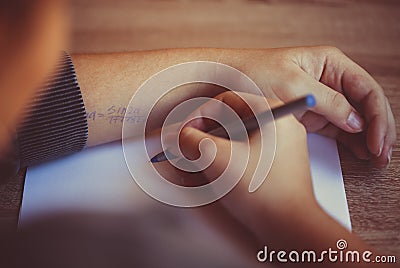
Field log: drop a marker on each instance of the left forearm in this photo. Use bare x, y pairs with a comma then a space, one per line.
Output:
108, 82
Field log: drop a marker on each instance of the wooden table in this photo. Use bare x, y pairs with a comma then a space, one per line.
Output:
367, 31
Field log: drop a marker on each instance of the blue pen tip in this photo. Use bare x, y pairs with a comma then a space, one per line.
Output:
310, 100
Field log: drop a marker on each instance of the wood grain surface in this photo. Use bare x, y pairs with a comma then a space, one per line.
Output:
367, 31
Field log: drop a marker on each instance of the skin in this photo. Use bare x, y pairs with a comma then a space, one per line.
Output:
111, 79
342, 88
283, 212
42, 33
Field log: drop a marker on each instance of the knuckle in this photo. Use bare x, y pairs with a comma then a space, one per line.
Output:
377, 98
291, 85
356, 80
336, 99
295, 78
331, 50
185, 133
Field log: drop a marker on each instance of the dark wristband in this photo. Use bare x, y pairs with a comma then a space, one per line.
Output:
55, 122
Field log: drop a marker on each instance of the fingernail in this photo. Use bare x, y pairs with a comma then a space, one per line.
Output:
355, 121
390, 154
380, 148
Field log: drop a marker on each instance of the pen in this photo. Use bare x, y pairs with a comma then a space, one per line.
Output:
251, 122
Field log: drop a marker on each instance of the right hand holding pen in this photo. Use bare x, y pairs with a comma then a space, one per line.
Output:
283, 212
287, 188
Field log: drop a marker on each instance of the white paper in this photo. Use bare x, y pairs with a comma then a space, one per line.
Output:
97, 179
327, 178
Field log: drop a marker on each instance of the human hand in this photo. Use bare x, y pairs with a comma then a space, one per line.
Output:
351, 106
287, 191
282, 212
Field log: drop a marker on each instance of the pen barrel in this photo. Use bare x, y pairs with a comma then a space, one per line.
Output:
252, 122
236, 132
292, 107
256, 121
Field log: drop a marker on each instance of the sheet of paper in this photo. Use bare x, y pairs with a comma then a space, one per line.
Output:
327, 178
97, 179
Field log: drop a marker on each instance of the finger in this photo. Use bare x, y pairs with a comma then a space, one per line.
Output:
384, 159
378, 122
331, 104
368, 96
214, 109
362, 91
334, 106
243, 104
189, 142
355, 142
313, 122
